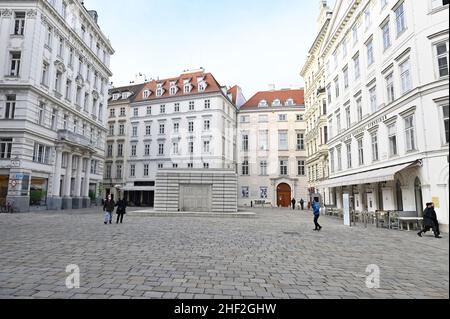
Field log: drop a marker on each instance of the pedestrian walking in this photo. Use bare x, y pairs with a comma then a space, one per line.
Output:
108, 208
294, 202
316, 210
121, 210
302, 204
430, 221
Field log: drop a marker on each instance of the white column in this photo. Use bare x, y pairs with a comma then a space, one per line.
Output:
87, 176
78, 177
68, 177
57, 174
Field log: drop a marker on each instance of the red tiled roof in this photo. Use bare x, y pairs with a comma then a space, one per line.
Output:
233, 91
297, 95
212, 86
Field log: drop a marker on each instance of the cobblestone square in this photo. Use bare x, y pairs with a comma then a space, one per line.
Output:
274, 255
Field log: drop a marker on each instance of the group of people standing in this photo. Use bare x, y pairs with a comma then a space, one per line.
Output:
108, 207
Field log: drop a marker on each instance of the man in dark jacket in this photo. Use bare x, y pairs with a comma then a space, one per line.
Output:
294, 202
302, 204
108, 208
121, 210
430, 221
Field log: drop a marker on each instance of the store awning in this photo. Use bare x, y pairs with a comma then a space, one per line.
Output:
385, 174
137, 189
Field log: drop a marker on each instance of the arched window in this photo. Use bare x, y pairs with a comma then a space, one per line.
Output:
276, 102
290, 102
399, 196
263, 103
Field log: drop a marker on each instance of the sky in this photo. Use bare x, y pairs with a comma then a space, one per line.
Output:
251, 43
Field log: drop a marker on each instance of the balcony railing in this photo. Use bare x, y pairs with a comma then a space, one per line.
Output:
65, 135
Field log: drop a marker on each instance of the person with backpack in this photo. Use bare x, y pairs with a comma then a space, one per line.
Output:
316, 211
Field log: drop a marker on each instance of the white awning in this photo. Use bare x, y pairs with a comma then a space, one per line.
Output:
385, 174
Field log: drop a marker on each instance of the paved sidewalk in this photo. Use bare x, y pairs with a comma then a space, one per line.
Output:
274, 255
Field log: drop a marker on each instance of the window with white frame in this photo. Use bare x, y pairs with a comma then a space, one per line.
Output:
245, 142
146, 94
338, 123
375, 152
162, 109
191, 147
284, 167
10, 107
134, 131
263, 103
206, 147
385, 29
133, 150
390, 90
329, 94
245, 119
301, 171
121, 130
160, 165
161, 149
336, 86
120, 150
110, 150
339, 158
392, 135
359, 109
206, 125
206, 165
187, 88
176, 128
5, 148
191, 127
263, 118
373, 99
276, 102
355, 33
349, 156
282, 117
15, 61
177, 107
45, 70
119, 171
263, 168
175, 148
207, 104
191, 105
370, 53
283, 141
41, 154
162, 129
332, 163
442, 58
40, 114
400, 18
300, 141
146, 169
435, 4
445, 112
245, 171
405, 75
361, 152
48, 39
346, 78
410, 133
263, 192
367, 17
147, 150
348, 119
19, 23
173, 90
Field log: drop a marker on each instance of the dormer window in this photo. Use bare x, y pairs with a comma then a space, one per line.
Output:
187, 88
276, 103
263, 103
290, 102
202, 86
116, 96
146, 94
125, 95
173, 90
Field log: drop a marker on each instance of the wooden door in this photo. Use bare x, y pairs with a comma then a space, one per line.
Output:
284, 195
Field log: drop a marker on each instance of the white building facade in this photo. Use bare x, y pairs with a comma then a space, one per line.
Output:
187, 122
313, 73
54, 75
272, 150
387, 88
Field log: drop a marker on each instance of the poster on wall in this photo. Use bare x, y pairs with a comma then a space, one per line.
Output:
346, 206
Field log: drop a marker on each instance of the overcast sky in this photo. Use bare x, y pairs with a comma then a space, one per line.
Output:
252, 43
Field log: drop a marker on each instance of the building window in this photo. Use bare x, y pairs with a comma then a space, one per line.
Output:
367, 17
263, 168
373, 99
282, 118
339, 158
301, 168
162, 129
149, 110
349, 156
361, 152
135, 131
5, 148
348, 118
15, 63
191, 106
121, 129
191, 127
390, 88
61, 47
300, 141
45, 69
175, 148
206, 147
410, 133
147, 150
207, 104
48, 39
162, 109
405, 74
329, 94
283, 168
41, 154
133, 150
245, 142
111, 130
161, 149
375, 153
108, 171
355, 34
135, 112
123, 112
370, 56
245, 119
332, 166
190, 165
10, 108
19, 23
245, 192
442, 58
206, 165
336, 86
392, 132
54, 122
41, 111
245, 168
120, 150
346, 79
445, 112
386, 35
264, 192
206, 125
58, 81
148, 130
133, 170
177, 107
263, 104
338, 123
68, 90
359, 109
160, 166
283, 141
110, 150
438, 3
146, 94
119, 171
400, 19
191, 147
146, 169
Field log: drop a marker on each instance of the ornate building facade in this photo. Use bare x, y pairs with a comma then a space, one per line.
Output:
54, 76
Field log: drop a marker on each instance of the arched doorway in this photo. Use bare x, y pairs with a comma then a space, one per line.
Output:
419, 198
284, 195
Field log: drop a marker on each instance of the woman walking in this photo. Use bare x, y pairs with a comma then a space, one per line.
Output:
121, 210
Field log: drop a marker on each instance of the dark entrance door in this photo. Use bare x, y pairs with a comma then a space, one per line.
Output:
284, 195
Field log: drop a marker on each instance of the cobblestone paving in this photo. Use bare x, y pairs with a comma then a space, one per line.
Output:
275, 255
